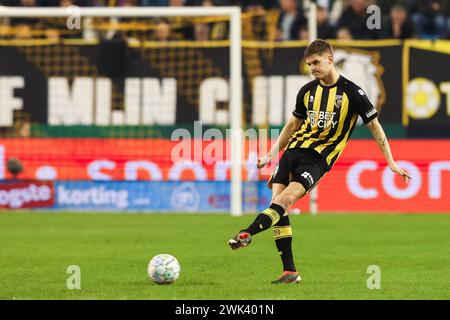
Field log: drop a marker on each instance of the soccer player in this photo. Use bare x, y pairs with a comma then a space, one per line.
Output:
325, 115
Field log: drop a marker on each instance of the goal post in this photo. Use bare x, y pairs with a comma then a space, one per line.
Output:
235, 79
312, 31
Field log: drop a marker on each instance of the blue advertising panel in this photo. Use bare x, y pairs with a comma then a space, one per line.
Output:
155, 196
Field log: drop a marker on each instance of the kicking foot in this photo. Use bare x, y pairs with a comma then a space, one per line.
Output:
242, 239
288, 277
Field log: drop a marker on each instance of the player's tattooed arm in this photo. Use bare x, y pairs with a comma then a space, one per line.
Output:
380, 137
288, 130
378, 133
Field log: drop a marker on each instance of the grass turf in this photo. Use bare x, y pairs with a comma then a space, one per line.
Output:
332, 253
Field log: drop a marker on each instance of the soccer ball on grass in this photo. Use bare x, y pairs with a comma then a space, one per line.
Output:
164, 269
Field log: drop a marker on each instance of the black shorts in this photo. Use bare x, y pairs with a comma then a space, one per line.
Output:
304, 166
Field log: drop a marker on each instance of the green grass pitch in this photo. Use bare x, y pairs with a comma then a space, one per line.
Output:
332, 253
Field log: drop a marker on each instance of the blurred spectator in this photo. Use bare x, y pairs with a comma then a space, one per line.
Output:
186, 31
344, 33
254, 6
28, 3
48, 3
65, 3
245, 4
429, 17
23, 21
123, 3
153, 3
22, 129
336, 8
211, 30
197, 3
112, 56
355, 18
176, 3
52, 35
90, 32
324, 29
21, 3
256, 18
190, 3
303, 33
202, 30
290, 21
387, 5
447, 19
399, 26
325, 4
23, 32
342, 19
163, 31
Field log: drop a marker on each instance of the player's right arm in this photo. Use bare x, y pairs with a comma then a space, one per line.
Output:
288, 130
293, 124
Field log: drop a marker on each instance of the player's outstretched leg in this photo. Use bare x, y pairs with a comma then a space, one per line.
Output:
263, 221
242, 239
282, 233
288, 277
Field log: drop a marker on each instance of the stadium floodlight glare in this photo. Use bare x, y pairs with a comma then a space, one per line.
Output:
235, 81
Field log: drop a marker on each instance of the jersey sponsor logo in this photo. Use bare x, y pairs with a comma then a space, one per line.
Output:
370, 112
308, 177
361, 92
324, 120
311, 98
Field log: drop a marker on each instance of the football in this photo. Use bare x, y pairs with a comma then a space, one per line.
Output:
164, 269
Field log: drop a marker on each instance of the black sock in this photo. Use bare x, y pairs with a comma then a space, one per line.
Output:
265, 219
283, 239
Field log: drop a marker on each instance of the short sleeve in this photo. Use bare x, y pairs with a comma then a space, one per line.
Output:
300, 109
363, 106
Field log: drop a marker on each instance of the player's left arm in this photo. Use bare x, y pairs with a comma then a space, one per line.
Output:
369, 116
377, 132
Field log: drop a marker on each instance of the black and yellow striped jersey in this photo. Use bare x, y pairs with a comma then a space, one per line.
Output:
330, 114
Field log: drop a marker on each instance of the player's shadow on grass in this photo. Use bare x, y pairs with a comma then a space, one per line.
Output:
199, 283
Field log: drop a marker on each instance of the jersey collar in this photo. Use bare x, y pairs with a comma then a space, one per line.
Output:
331, 86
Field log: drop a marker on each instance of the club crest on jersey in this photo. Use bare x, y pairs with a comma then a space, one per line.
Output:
338, 101
312, 117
